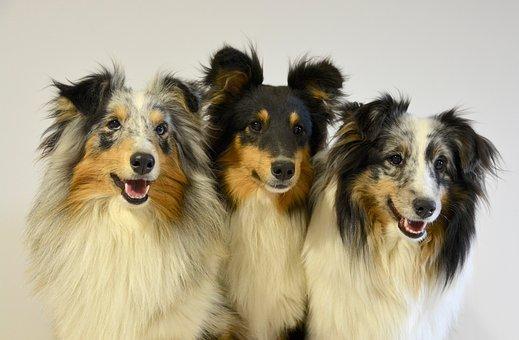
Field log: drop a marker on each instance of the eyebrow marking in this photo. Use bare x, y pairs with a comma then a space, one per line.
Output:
156, 117
121, 112
294, 118
264, 115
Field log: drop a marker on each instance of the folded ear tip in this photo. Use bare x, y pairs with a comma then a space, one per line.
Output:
230, 57
327, 66
227, 62
322, 73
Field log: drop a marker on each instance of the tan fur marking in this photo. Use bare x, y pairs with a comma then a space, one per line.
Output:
263, 115
228, 82
179, 96
91, 176
294, 118
305, 174
156, 117
67, 110
317, 93
238, 162
371, 195
167, 192
121, 112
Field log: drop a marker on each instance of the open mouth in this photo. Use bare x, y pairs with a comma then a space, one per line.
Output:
135, 191
410, 228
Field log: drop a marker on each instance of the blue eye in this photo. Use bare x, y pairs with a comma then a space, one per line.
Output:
161, 129
114, 124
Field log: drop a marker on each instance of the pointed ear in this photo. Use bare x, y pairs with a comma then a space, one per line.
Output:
187, 94
370, 118
84, 100
477, 155
91, 93
232, 72
318, 84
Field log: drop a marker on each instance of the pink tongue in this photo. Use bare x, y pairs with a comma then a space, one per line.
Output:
416, 225
136, 188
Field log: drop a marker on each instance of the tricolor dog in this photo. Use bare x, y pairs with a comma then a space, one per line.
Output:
263, 138
125, 235
393, 219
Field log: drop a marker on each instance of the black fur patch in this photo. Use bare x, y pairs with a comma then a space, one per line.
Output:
357, 150
229, 59
233, 107
89, 96
350, 159
191, 99
474, 157
306, 77
106, 140
164, 145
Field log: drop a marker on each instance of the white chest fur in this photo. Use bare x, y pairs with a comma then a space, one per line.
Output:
265, 272
352, 299
113, 274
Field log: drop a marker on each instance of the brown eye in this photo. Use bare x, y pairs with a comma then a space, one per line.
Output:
256, 126
439, 164
161, 129
114, 124
396, 159
298, 129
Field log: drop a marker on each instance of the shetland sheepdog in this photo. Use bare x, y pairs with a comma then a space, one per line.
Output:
388, 245
125, 235
262, 140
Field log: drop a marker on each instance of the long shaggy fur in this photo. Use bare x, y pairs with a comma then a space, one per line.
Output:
264, 272
366, 279
106, 270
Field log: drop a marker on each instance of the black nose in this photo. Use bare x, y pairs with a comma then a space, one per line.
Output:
142, 163
424, 207
282, 170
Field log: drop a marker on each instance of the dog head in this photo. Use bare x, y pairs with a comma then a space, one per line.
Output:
409, 175
265, 135
134, 146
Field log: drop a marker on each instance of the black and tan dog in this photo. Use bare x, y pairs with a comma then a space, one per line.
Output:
263, 139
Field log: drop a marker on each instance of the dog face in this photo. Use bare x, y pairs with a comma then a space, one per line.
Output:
270, 138
132, 141
265, 135
412, 175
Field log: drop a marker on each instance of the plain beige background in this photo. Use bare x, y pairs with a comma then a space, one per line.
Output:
441, 53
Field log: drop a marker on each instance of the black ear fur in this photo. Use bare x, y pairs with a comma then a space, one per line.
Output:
88, 97
188, 91
320, 80
373, 116
475, 157
231, 72
319, 84
476, 154
88, 94
361, 126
